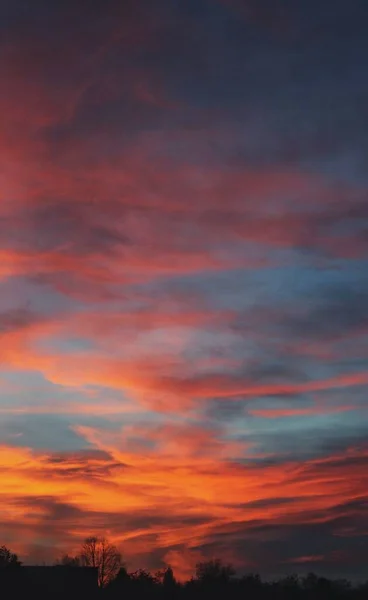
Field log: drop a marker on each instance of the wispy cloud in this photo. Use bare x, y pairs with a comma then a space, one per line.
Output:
183, 297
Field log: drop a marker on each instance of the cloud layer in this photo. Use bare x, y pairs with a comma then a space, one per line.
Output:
183, 291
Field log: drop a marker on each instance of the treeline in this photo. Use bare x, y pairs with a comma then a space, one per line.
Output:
213, 579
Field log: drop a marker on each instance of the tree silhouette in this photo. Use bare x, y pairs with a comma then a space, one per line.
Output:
8, 558
168, 579
214, 580
98, 552
68, 561
142, 576
214, 571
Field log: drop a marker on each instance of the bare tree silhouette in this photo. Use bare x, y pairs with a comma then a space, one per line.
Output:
98, 552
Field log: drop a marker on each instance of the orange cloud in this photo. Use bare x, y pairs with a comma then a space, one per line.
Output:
159, 500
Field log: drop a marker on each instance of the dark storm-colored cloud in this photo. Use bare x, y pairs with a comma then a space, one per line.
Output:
302, 112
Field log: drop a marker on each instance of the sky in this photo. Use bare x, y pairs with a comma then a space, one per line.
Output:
183, 282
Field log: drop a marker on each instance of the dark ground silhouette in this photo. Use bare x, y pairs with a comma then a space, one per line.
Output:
213, 579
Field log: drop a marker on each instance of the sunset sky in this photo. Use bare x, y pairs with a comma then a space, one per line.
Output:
183, 281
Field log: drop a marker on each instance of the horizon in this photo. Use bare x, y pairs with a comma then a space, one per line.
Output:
183, 282
277, 577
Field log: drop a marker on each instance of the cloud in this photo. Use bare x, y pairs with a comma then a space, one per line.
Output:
292, 412
165, 500
183, 242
